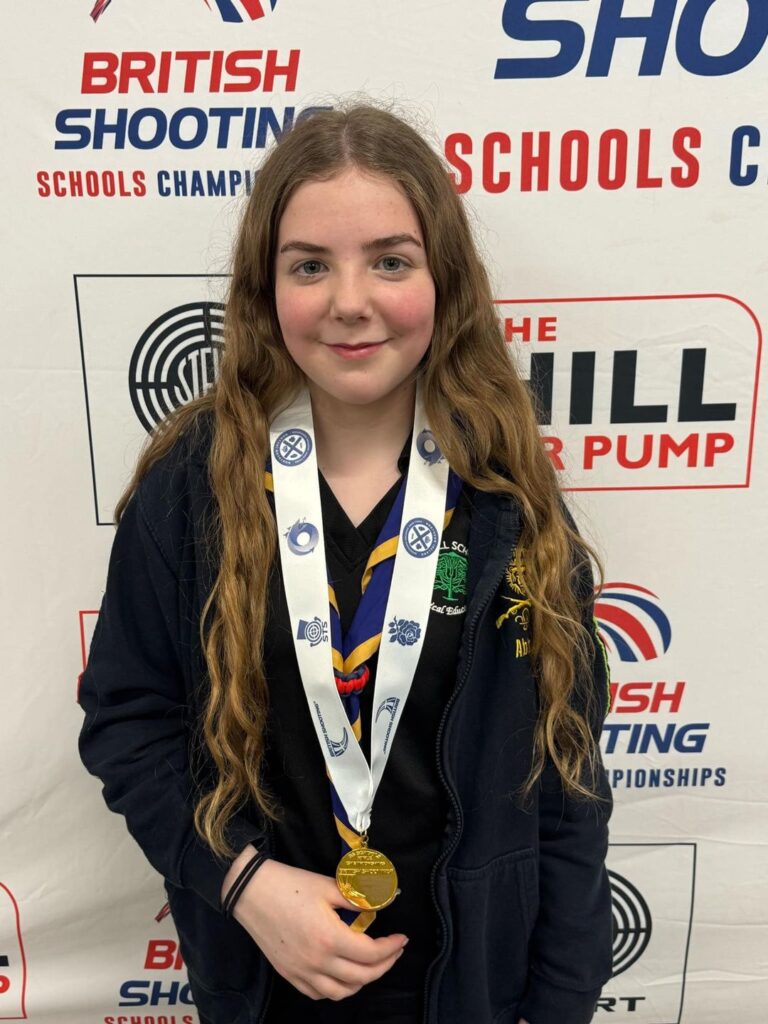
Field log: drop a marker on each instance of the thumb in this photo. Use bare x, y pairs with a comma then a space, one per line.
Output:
334, 896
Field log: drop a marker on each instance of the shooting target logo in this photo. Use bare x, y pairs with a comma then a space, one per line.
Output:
315, 630
632, 923
175, 359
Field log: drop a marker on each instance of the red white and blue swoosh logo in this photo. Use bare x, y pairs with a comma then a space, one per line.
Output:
632, 622
229, 10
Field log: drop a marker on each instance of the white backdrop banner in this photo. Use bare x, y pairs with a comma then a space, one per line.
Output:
611, 154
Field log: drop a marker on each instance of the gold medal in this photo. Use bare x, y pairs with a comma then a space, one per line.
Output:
367, 878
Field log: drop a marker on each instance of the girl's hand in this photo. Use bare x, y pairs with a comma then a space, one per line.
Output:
289, 913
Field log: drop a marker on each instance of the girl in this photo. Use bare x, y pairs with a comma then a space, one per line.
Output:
346, 685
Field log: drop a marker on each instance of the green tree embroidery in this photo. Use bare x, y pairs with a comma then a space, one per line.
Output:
451, 574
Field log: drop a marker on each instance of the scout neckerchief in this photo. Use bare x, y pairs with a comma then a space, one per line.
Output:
397, 588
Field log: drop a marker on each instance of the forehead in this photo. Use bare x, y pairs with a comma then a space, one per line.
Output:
352, 201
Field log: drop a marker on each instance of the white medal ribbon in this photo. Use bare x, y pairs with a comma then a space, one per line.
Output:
302, 555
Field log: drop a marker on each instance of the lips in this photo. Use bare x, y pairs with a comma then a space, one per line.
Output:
361, 344
360, 351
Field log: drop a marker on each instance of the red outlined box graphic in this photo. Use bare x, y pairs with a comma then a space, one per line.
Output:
13, 962
641, 392
87, 618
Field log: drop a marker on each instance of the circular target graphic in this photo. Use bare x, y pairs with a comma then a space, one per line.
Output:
631, 923
175, 359
314, 631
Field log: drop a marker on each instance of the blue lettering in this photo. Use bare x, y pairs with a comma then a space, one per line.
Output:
612, 25
690, 738
130, 998
744, 135
201, 128
693, 58
515, 24
154, 115
144, 995
63, 127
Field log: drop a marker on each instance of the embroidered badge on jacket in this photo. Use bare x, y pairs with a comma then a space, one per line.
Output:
519, 603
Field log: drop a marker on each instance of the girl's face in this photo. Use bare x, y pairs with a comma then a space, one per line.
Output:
351, 270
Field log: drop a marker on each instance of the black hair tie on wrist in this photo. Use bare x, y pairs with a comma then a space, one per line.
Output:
239, 884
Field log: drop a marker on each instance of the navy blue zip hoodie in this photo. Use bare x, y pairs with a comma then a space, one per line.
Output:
521, 889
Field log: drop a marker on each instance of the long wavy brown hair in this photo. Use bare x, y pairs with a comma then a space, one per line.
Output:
478, 407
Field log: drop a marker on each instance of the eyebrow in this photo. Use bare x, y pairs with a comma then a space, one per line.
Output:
375, 243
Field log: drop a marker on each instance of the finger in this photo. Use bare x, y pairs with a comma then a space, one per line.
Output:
350, 973
363, 949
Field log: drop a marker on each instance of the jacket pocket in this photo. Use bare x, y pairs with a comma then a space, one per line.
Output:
493, 911
228, 973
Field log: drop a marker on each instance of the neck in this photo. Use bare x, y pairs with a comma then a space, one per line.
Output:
377, 429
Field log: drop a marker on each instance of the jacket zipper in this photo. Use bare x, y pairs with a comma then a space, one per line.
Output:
451, 792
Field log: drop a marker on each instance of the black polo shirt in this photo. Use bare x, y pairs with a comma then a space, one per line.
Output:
410, 808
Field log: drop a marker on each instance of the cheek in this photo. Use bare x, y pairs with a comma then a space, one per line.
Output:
297, 310
414, 309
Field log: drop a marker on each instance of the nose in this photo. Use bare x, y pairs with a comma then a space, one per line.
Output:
350, 295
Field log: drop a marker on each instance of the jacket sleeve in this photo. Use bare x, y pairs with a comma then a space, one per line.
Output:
136, 732
571, 945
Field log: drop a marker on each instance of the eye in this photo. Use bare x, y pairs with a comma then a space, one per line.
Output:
394, 259
308, 263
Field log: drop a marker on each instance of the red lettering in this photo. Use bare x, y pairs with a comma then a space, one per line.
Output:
673, 698
573, 180
163, 955
456, 145
678, 175
595, 446
136, 66
612, 170
236, 69
553, 447
644, 179
491, 142
288, 71
191, 59
716, 444
99, 72
538, 161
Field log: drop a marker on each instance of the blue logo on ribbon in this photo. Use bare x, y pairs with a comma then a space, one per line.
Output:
315, 631
335, 747
301, 528
426, 446
292, 447
420, 537
404, 632
390, 707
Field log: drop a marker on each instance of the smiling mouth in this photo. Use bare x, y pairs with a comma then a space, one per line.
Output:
364, 344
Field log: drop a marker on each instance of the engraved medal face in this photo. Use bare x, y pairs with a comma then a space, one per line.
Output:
367, 878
